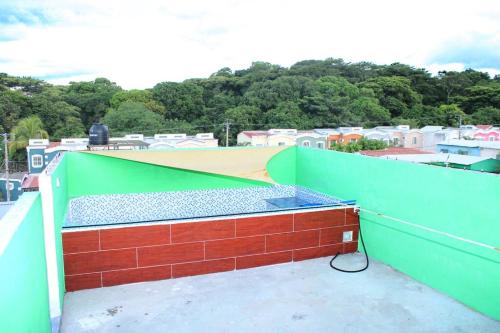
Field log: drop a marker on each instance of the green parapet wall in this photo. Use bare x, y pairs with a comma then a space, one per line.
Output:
24, 301
90, 174
458, 202
60, 182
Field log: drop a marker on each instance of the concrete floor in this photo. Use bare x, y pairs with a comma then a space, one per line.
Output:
306, 296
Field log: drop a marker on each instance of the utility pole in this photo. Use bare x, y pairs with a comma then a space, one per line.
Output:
227, 124
7, 183
459, 127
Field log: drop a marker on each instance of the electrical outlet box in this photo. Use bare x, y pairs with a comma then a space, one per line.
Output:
347, 236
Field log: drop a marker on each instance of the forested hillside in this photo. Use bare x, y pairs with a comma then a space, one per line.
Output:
311, 93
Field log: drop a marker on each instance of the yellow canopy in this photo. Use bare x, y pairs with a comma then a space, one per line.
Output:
244, 162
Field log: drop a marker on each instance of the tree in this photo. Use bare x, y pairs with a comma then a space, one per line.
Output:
487, 115
268, 94
68, 123
288, 115
57, 115
243, 117
394, 93
93, 98
328, 102
362, 144
449, 115
369, 112
133, 117
182, 100
136, 95
14, 105
26, 129
454, 83
479, 96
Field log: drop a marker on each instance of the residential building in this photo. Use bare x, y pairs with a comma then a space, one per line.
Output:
487, 133
181, 140
14, 189
30, 183
311, 139
40, 151
280, 139
412, 138
432, 135
343, 139
374, 134
395, 133
467, 131
470, 147
272, 137
119, 217
252, 138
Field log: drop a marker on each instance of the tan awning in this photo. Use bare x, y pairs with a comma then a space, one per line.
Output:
242, 162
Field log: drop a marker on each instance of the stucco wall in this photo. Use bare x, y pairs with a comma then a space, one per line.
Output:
457, 202
24, 304
93, 174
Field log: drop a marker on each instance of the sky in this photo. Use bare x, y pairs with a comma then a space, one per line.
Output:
143, 42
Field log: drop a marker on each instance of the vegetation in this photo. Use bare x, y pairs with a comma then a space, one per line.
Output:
27, 128
311, 93
362, 144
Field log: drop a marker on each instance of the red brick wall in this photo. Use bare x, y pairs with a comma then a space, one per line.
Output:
107, 257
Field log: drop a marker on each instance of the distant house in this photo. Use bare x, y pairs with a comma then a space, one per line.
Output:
487, 133
343, 139
467, 131
181, 140
40, 151
311, 139
325, 131
281, 140
470, 147
432, 135
412, 138
30, 183
374, 134
272, 137
15, 189
252, 138
396, 133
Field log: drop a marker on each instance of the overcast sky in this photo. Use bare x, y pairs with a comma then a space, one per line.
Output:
140, 43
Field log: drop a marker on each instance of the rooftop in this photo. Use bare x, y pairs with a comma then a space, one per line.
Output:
439, 158
392, 151
417, 222
305, 296
472, 143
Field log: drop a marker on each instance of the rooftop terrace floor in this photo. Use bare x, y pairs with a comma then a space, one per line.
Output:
305, 296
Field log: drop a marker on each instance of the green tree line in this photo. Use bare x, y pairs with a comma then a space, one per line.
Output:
309, 94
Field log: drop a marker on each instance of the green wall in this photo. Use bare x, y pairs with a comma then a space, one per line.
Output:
59, 182
91, 174
24, 301
459, 202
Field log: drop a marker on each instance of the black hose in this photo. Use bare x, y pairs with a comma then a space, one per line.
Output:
366, 256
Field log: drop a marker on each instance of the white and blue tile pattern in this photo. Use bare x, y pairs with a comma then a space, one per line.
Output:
157, 206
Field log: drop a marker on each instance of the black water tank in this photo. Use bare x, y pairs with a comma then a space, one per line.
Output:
98, 135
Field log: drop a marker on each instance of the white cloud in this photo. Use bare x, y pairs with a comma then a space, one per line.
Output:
140, 43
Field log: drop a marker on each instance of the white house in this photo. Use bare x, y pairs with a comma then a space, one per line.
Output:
373, 134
